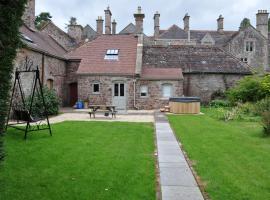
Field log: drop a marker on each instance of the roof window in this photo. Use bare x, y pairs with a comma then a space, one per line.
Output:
111, 54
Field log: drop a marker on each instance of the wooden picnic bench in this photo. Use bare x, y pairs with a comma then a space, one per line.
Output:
108, 109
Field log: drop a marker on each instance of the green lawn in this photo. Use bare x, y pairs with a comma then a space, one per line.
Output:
232, 159
83, 160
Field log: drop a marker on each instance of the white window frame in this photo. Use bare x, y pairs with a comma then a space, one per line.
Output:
163, 90
93, 88
143, 89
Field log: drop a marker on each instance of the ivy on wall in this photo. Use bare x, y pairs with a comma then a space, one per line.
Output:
10, 21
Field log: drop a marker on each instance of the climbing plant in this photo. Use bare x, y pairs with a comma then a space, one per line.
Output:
245, 23
41, 19
10, 21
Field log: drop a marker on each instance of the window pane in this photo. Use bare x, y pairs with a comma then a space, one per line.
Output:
122, 90
166, 90
116, 90
96, 88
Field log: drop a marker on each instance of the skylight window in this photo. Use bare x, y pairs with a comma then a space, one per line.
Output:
26, 38
111, 54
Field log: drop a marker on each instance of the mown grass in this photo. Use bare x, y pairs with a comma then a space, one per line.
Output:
232, 158
82, 160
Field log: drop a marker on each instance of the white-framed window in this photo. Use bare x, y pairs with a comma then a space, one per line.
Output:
144, 91
96, 88
167, 90
111, 54
249, 46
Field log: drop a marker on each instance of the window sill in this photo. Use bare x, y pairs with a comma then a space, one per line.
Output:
96, 93
165, 98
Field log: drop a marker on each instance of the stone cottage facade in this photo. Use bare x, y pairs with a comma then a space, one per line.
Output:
134, 71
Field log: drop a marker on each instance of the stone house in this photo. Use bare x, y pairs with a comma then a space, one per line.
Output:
134, 71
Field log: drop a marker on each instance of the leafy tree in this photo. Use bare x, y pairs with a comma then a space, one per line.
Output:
10, 21
245, 23
269, 24
41, 19
73, 21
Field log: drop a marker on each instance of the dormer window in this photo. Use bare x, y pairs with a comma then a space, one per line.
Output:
111, 54
249, 46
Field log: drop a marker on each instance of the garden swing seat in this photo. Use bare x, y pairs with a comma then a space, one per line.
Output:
24, 116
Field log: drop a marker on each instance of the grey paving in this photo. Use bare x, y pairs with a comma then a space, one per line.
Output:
176, 179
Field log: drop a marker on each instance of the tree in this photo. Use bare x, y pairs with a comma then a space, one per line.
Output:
269, 24
41, 19
10, 21
245, 23
73, 21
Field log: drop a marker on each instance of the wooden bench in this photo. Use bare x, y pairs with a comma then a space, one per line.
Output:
102, 108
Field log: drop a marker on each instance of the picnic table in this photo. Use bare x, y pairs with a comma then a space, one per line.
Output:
108, 109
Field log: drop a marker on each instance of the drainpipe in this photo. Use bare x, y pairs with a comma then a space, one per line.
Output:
43, 69
134, 94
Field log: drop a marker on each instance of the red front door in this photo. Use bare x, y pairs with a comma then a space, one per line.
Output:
73, 93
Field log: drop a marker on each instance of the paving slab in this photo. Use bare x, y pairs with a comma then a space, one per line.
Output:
181, 193
176, 178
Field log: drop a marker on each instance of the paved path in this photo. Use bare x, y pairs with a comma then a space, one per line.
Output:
176, 179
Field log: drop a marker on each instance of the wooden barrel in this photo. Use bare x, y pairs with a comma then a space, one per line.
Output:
185, 105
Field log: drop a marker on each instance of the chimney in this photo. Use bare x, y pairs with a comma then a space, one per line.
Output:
114, 27
74, 30
108, 21
139, 16
156, 24
220, 22
186, 22
262, 22
29, 14
100, 25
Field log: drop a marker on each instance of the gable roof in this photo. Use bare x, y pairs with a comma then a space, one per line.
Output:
41, 42
129, 29
174, 32
89, 32
92, 55
193, 59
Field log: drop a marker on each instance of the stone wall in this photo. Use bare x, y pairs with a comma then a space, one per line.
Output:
204, 85
60, 36
29, 14
154, 100
258, 58
54, 69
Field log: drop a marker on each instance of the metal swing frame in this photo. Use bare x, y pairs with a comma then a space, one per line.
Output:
27, 117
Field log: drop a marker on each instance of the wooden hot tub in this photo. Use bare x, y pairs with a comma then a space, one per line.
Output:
185, 105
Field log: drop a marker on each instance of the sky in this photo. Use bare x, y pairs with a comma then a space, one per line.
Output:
203, 13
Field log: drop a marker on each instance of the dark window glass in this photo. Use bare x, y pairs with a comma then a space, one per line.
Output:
96, 88
122, 90
116, 90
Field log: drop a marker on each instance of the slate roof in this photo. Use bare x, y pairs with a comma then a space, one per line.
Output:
175, 32
129, 29
92, 55
154, 73
41, 42
193, 59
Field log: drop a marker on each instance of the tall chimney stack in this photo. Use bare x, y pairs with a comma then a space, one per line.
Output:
220, 24
114, 27
186, 22
100, 25
74, 30
139, 16
262, 22
108, 21
156, 25
29, 14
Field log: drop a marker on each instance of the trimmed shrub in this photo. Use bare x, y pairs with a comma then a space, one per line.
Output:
248, 89
266, 122
265, 85
51, 101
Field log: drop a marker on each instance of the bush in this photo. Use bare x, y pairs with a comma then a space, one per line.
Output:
51, 101
265, 85
248, 89
262, 106
219, 103
266, 122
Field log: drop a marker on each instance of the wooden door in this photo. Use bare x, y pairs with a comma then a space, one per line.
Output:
73, 93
